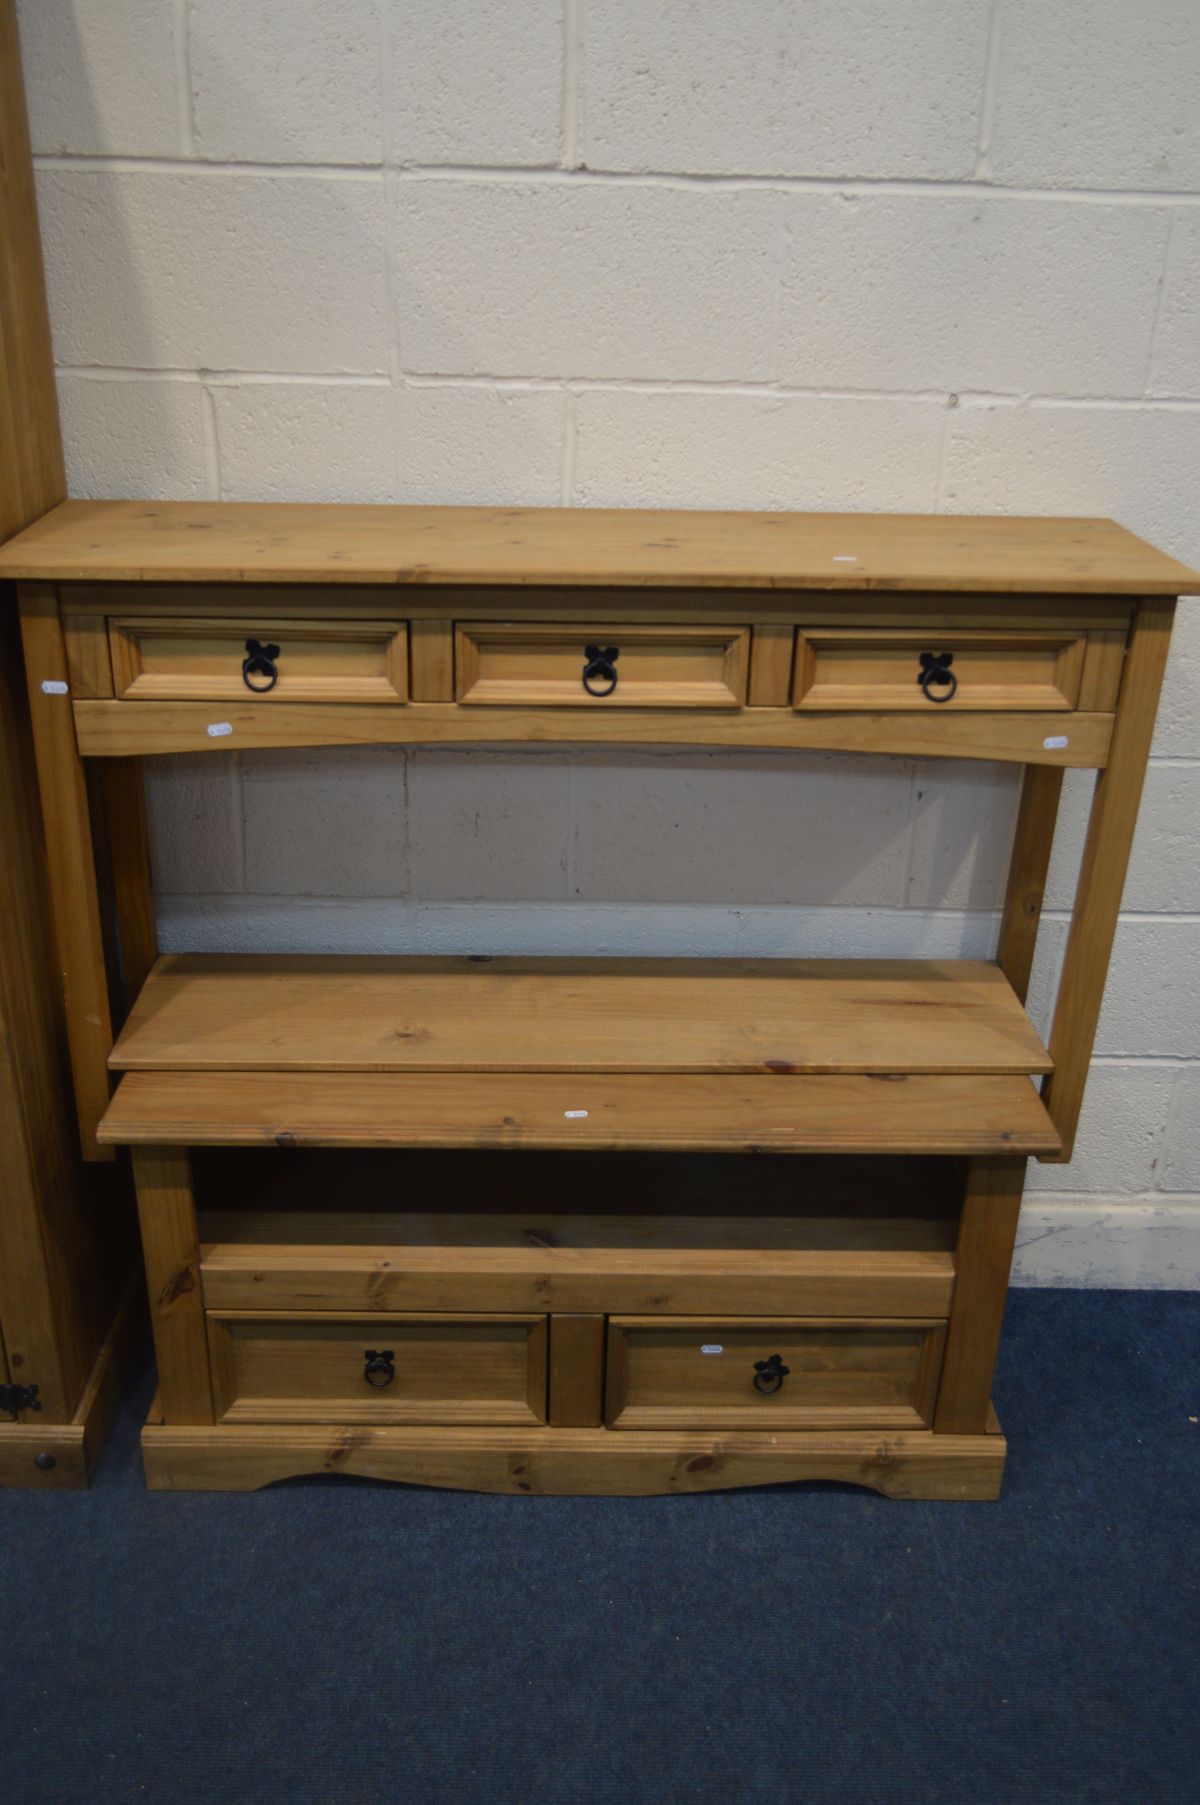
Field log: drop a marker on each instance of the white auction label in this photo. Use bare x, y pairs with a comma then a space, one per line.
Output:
712, 1347
52, 687
219, 730
575, 1115
1056, 742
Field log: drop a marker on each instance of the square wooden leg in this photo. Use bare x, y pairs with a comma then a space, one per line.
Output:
167, 1208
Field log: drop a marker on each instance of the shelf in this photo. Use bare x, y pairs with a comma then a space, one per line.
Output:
201, 1013
539, 1231
824, 1113
256, 542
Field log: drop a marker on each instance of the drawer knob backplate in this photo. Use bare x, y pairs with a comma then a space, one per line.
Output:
379, 1367
770, 1373
599, 670
935, 668
260, 662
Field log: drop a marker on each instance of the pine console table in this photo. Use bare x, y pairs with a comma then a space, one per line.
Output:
460, 1221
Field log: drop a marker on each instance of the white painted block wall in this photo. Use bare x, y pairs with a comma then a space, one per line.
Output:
747, 253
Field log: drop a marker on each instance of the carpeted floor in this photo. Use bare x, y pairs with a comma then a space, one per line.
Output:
330, 1641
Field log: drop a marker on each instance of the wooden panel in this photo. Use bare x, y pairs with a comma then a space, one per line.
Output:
986, 1236
1100, 684
697, 1373
172, 1254
1105, 862
576, 1371
111, 729
74, 897
31, 459
89, 666
518, 663
326, 1275
771, 666
1033, 844
201, 1012
443, 1369
815, 1113
186, 660
573, 1462
129, 857
432, 645
857, 668
273, 542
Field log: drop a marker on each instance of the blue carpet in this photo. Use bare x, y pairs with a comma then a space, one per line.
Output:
330, 1641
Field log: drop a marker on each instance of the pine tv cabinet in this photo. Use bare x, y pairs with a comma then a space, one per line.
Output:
507, 1224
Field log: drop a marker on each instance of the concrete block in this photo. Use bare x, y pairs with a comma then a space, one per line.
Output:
476, 81
944, 292
134, 439
100, 79
490, 827
286, 81
1136, 464
1181, 1160
492, 447
639, 448
307, 442
962, 826
1097, 94
1176, 367
1086, 1241
194, 807
1152, 1000
558, 279
863, 88
1164, 871
752, 828
332, 823
1119, 1146
215, 271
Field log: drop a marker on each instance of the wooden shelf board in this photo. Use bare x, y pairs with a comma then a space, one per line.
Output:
826, 1113
229, 542
201, 1013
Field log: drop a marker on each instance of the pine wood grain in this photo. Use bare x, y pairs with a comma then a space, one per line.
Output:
568, 1462
172, 1254
117, 729
576, 1371
281, 542
248, 1013
1106, 851
1033, 843
986, 1236
802, 1113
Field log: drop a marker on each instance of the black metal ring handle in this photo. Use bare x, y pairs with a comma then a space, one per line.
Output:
769, 1374
600, 668
379, 1368
260, 662
935, 668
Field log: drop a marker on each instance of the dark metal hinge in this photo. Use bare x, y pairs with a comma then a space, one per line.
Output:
19, 1397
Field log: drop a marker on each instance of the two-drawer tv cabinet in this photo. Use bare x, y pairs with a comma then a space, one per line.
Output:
514, 1224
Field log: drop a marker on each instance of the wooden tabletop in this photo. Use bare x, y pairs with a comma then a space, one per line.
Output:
283, 542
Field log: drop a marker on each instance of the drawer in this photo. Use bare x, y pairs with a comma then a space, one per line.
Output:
687, 1372
195, 660
370, 1368
532, 664
878, 667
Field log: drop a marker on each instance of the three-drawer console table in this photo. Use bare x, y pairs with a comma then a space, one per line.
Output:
507, 1223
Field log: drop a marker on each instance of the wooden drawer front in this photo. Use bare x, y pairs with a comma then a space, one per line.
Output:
876, 667
170, 660
700, 1373
521, 664
427, 1368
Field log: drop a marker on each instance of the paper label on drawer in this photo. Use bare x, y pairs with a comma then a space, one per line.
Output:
1055, 743
219, 730
712, 1347
575, 1115
53, 687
